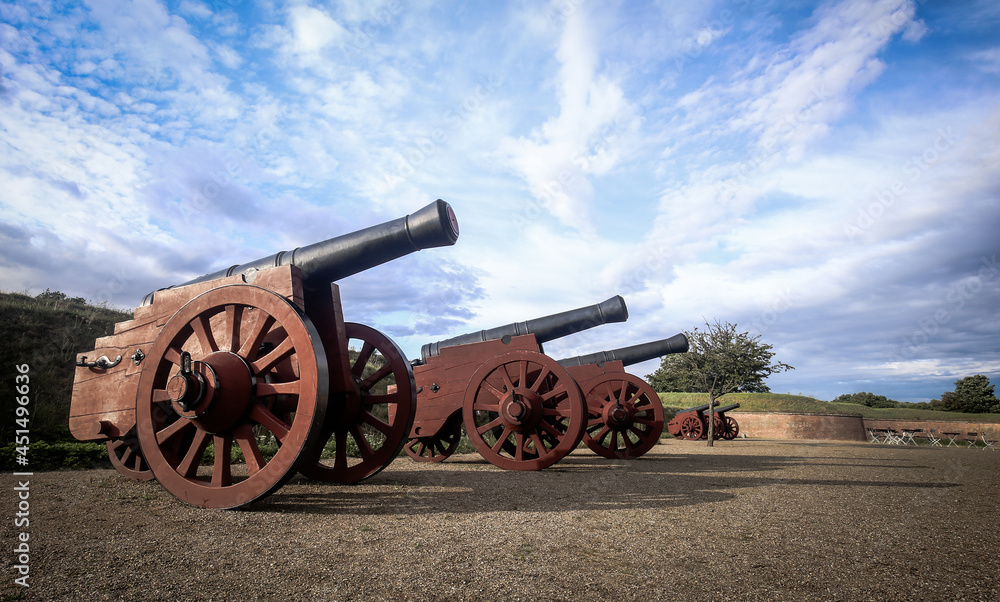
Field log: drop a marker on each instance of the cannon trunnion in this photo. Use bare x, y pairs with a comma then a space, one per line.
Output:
236, 380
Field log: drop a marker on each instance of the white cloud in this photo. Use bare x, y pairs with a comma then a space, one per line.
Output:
313, 31
987, 60
559, 158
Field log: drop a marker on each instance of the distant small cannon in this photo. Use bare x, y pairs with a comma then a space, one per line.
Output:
520, 408
252, 368
692, 423
625, 416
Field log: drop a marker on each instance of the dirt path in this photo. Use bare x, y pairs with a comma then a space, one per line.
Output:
775, 520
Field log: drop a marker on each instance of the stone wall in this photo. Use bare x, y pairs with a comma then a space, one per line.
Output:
846, 427
834, 427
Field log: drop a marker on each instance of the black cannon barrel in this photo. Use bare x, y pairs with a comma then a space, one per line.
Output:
633, 354
726, 408
321, 263
700, 408
545, 329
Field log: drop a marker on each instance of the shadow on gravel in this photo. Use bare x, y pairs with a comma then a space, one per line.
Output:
579, 483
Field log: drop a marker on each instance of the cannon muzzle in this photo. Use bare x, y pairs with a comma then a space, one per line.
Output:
632, 355
545, 329
726, 408
321, 263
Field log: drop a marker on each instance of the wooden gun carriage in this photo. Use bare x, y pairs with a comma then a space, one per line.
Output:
520, 408
625, 416
223, 364
692, 423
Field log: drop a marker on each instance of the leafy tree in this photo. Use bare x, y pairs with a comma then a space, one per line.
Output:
868, 399
975, 395
720, 360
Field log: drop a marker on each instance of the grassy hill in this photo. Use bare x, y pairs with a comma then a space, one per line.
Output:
46, 332
776, 402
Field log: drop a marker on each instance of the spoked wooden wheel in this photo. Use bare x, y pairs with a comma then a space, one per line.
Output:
731, 430
523, 411
210, 382
438, 446
126, 456
625, 416
365, 434
691, 427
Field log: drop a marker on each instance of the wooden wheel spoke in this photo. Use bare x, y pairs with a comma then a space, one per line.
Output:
173, 356
639, 434
266, 389
363, 356
203, 332
248, 445
264, 363
489, 388
557, 391
160, 396
234, 323
263, 416
374, 421
506, 379
489, 426
340, 460
559, 410
188, 466
543, 376
550, 428
519, 446
222, 475
166, 434
377, 400
257, 331
613, 444
635, 399
522, 373
539, 444
363, 446
378, 375
501, 440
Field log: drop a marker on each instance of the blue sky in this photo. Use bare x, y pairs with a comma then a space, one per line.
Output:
823, 174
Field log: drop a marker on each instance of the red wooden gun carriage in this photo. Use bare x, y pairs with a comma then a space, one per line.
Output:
259, 352
692, 423
520, 408
625, 416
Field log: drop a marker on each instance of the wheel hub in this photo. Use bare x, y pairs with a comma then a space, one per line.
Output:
521, 409
214, 393
619, 416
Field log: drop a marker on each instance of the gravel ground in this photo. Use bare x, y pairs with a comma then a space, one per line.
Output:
745, 520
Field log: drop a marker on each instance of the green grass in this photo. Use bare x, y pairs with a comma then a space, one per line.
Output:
46, 332
777, 402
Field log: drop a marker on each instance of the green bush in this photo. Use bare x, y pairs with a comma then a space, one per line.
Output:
44, 456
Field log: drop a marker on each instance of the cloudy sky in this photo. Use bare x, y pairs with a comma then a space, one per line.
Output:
824, 174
